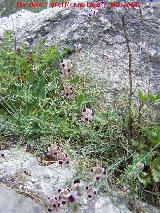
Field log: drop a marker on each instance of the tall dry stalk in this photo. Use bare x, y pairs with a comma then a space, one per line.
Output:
130, 77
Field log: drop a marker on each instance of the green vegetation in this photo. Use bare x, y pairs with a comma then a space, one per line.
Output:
9, 6
36, 114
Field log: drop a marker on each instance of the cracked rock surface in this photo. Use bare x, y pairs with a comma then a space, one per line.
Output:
104, 50
21, 171
41, 181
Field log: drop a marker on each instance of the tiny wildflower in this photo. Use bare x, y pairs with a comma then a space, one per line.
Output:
65, 67
87, 115
91, 193
98, 172
57, 154
68, 91
78, 47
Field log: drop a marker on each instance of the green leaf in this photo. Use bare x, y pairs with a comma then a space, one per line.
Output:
142, 97
51, 55
67, 52
144, 180
75, 80
158, 96
41, 89
80, 99
64, 128
100, 120
152, 98
154, 135
155, 169
136, 158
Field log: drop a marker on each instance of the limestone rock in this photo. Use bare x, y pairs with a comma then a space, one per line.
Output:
22, 171
43, 182
11, 202
19, 168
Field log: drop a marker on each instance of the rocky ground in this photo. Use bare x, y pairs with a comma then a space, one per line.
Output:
24, 175
23, 172
12, 202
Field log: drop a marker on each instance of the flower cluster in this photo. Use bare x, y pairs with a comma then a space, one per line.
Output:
57, 154
91, 193
72, 196
87, 115
65, 67
67, 91
55, 202
64, 197
98, 173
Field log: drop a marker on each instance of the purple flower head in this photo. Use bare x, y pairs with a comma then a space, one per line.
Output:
77, 185
67, 91
97, 178
64, 202
60, 162
91, 193
76, 181
65, 67
98, 172
55, 202
57, 154
87, 115
64, 193
72, 197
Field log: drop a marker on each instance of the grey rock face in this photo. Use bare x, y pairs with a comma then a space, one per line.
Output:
12, 202
104, 50
41, 181
105, 205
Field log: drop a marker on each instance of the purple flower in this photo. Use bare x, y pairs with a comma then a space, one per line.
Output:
90, 192
76, 181
63, 202
60, 162
65, 66
87, 115
97, 178
72, 197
